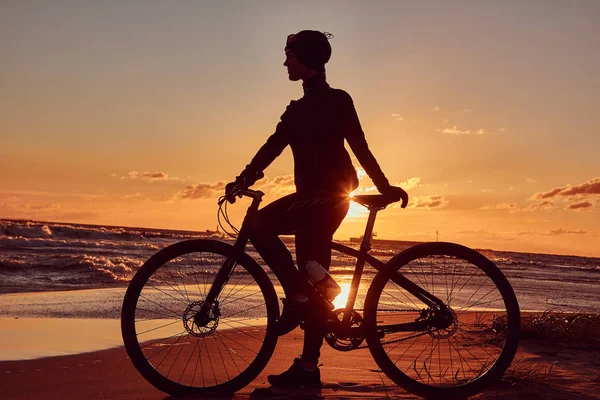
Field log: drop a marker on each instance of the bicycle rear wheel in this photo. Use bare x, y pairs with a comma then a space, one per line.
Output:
460, 359
182, 354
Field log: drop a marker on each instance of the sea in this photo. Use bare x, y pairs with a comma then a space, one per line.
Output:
55, 261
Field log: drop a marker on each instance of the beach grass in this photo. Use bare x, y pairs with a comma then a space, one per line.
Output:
578, 328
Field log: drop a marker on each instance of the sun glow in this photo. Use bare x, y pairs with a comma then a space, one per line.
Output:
340, 300
356, 210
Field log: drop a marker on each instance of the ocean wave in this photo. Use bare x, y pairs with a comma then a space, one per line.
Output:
37, 230
59, 270
8, 242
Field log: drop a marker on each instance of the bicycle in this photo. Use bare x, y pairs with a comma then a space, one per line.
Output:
440, 319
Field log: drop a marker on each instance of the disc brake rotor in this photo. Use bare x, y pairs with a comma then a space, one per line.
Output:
199, 320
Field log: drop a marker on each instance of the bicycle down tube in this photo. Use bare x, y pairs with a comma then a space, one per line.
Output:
239, 246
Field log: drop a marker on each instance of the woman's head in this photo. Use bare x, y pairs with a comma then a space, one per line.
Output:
307, 52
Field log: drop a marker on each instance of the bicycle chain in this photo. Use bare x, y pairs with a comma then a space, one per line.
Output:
414, 335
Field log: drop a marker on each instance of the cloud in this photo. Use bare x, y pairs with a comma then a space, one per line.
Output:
555, 232
467, 110
562, 231
201, 191
410, 183
397, 117
436, 109
501, 130
581, 206
149, 176
589, 188
33, 207
278, 186
428, 202
530, 180
455, 131
135, 196
501, 206
545, 205
484, 234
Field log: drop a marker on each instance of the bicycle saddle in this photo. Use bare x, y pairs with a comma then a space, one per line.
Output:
379, 201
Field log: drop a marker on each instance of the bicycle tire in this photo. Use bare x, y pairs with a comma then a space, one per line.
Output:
158, 301
489, 333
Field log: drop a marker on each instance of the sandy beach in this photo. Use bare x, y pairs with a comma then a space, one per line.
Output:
541, 369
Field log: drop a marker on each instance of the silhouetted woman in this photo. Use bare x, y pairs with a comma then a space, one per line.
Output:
315, 127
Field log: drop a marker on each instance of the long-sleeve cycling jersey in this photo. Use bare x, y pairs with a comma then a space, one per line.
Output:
315, 127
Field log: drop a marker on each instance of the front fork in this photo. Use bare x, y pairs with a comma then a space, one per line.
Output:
224, 273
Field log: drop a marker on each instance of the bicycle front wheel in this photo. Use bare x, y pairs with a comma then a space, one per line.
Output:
184, 351
461, 357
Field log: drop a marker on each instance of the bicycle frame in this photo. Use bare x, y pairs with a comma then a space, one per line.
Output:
362, 255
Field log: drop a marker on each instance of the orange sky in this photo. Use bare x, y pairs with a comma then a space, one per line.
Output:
137, 114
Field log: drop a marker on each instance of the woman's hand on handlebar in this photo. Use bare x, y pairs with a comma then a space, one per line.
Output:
242, 182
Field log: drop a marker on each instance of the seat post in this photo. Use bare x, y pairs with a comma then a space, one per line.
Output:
365, 246
366, 242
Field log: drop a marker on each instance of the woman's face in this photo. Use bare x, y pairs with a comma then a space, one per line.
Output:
296, 71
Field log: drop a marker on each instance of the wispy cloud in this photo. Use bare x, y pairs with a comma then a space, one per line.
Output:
467, 110
148, 176
589, 188
135, 196
278, 186
410, 183
501, 206
456, 131
436, 109
561, 231
428, 202
32, 208
511, 235
555, 232
200, 191
545, 205
398, 117
581, 206
487, 235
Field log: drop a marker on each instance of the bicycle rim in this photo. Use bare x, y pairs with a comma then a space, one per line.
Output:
458, 360
181, 355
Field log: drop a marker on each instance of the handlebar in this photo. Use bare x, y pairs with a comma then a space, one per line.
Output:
240, 188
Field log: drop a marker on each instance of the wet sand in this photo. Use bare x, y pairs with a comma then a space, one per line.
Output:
109, 374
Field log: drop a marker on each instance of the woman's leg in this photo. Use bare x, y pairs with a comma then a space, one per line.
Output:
268, 223
314, 243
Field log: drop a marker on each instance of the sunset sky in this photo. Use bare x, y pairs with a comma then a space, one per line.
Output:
137, 113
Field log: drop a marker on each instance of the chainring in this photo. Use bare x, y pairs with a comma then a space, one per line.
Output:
356, 332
